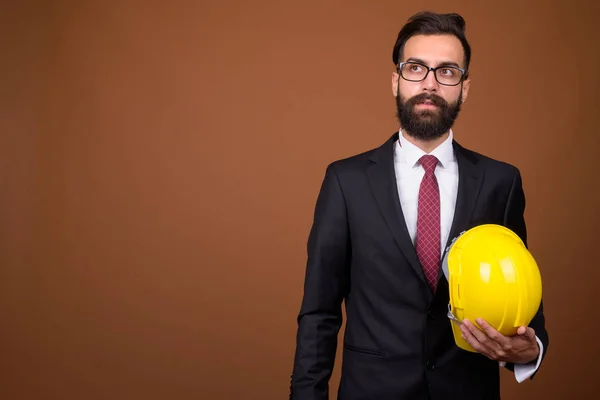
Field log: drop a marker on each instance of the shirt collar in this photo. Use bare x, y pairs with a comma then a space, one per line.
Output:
410, 154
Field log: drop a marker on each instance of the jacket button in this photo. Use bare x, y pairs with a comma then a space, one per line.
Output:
430, 365
430, 314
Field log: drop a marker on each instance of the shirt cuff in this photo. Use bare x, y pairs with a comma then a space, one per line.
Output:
524, 371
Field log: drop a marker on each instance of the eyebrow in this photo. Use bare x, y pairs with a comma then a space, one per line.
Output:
442, 64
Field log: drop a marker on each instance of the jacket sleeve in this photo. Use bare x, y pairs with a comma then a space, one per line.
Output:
514, 219
325, 286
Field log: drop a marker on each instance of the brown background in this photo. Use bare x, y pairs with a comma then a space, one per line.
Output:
159, 163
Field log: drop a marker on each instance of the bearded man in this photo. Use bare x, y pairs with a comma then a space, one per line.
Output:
382, 221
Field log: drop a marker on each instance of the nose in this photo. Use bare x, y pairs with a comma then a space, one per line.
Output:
430, 83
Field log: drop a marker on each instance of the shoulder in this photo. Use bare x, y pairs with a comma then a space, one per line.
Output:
359, 162
356, 162
493, 167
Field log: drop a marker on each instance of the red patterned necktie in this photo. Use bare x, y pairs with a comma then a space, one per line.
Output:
428, 221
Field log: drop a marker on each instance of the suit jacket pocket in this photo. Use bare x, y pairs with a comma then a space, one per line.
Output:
363, 350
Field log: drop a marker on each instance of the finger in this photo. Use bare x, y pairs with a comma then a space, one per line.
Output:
478, 334
472, 340
526, 332
478, 340
493, 333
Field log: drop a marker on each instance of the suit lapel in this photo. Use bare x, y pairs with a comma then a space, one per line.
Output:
469, 184
470, 178
382, 178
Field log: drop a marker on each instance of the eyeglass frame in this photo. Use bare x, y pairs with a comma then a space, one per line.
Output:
434, 69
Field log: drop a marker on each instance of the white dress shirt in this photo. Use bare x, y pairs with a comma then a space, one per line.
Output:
409, 174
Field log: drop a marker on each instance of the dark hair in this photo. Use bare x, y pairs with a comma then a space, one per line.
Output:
430, 23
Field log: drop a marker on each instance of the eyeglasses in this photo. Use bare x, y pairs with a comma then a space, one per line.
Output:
445, 75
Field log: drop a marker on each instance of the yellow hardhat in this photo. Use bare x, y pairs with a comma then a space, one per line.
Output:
491, 275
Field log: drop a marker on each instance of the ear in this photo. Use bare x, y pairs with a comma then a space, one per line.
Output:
395, 78
465, 89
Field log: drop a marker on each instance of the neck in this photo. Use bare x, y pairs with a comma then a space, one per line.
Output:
426, 145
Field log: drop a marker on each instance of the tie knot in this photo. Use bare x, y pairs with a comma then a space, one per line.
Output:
429, 163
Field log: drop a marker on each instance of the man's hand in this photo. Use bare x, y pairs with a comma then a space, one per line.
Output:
521, 348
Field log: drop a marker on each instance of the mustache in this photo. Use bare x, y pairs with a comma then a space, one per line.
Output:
435, 99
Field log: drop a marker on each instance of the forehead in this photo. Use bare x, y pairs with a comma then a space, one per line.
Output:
434, 49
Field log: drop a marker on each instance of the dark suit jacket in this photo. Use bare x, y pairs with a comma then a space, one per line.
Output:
398, 342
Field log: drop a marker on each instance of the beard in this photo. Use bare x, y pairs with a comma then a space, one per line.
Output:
427, 124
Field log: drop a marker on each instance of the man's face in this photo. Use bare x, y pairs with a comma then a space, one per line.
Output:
428, 109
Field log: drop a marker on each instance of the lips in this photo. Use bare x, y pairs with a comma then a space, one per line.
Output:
427, 104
